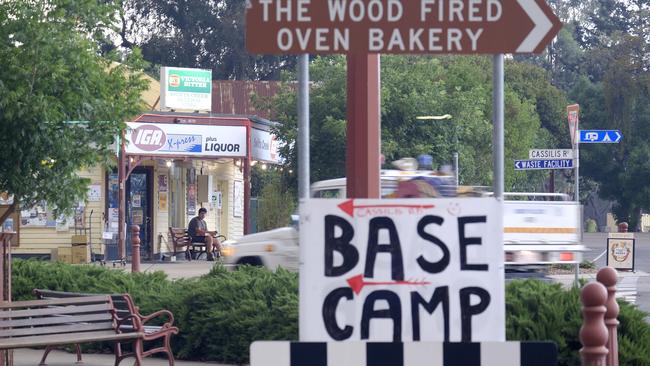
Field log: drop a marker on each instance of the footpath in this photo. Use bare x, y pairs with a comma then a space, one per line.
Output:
31, 357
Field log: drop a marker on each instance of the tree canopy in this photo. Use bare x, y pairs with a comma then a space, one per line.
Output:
62, 104
416, 86
196, 33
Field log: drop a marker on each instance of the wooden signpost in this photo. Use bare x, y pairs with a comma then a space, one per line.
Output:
397, 26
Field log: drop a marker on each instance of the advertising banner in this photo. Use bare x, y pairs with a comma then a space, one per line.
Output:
264, 146
182, 139
182, 88
620, 251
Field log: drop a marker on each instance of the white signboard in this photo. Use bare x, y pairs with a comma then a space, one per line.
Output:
264, 146
544, 154
182, 88
401, 270
181, 139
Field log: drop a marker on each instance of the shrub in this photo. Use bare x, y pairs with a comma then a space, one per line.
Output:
218, 315
537, 310
221, 313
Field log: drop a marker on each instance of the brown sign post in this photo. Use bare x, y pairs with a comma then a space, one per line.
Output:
399, 26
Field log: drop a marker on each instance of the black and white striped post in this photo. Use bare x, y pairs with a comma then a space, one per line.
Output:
284, 353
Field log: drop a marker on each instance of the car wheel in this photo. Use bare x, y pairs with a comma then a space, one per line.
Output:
251, 261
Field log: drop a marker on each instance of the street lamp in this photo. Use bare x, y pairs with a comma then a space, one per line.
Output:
440, 118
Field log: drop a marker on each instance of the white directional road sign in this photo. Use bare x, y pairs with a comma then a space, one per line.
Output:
543, 164
600, 136
538, 154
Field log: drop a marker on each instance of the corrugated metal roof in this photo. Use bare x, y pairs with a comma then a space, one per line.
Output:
235, 96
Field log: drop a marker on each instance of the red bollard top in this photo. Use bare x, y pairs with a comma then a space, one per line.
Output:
593, 333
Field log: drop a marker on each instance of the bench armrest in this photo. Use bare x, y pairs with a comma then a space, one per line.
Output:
170, 317
134, 318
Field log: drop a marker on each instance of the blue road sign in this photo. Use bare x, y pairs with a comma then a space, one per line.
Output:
600, 136
543, 164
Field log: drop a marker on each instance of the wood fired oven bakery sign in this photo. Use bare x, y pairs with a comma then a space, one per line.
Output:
401, 270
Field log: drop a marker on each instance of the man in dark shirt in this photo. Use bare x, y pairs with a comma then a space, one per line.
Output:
198, 231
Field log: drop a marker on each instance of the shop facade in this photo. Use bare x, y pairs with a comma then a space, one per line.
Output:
172, 165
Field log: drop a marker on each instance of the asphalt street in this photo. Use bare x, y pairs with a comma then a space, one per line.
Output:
597, 244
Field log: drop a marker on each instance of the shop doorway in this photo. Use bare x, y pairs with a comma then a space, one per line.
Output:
139, 210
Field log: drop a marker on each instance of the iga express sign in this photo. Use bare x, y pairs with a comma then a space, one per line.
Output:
402, 270
184, 140
399, 26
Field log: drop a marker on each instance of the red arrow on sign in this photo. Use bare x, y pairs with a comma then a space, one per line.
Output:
399, 26
357, 283
348, 206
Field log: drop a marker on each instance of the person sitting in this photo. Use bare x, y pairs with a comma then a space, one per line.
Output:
198, 231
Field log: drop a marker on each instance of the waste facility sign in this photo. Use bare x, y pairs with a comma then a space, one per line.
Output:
399, 26
402, 270
543, 164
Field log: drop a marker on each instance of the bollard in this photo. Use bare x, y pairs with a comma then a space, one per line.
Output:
608, 277
135, 248
593, 333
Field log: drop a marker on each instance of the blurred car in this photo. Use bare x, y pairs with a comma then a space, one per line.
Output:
271, 249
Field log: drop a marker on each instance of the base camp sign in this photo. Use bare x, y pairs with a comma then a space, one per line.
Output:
402, 270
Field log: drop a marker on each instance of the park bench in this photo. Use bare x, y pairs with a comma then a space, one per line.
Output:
71, 320
182, 242
124, 309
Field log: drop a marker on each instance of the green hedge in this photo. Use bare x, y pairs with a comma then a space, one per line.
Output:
221, 313
218, 314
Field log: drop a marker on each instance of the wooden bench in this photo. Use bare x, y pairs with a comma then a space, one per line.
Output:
125, 308
71, 320
182, 243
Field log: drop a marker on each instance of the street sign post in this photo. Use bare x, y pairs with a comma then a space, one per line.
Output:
573, 114
600, 136
537, 154
543, 164
399, 26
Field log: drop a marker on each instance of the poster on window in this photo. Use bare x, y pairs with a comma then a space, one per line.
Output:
94, 193
238, 198
37, 215
191, 192
162, 183
162, 201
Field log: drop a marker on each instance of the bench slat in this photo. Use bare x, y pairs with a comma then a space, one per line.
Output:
35, 303
56, 311
58, 339
52, 320
118, 299
72, 328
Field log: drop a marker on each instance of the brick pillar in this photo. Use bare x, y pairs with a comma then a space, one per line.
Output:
593, 333
608, 277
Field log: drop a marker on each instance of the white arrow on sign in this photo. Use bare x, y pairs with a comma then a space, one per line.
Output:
542, 26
